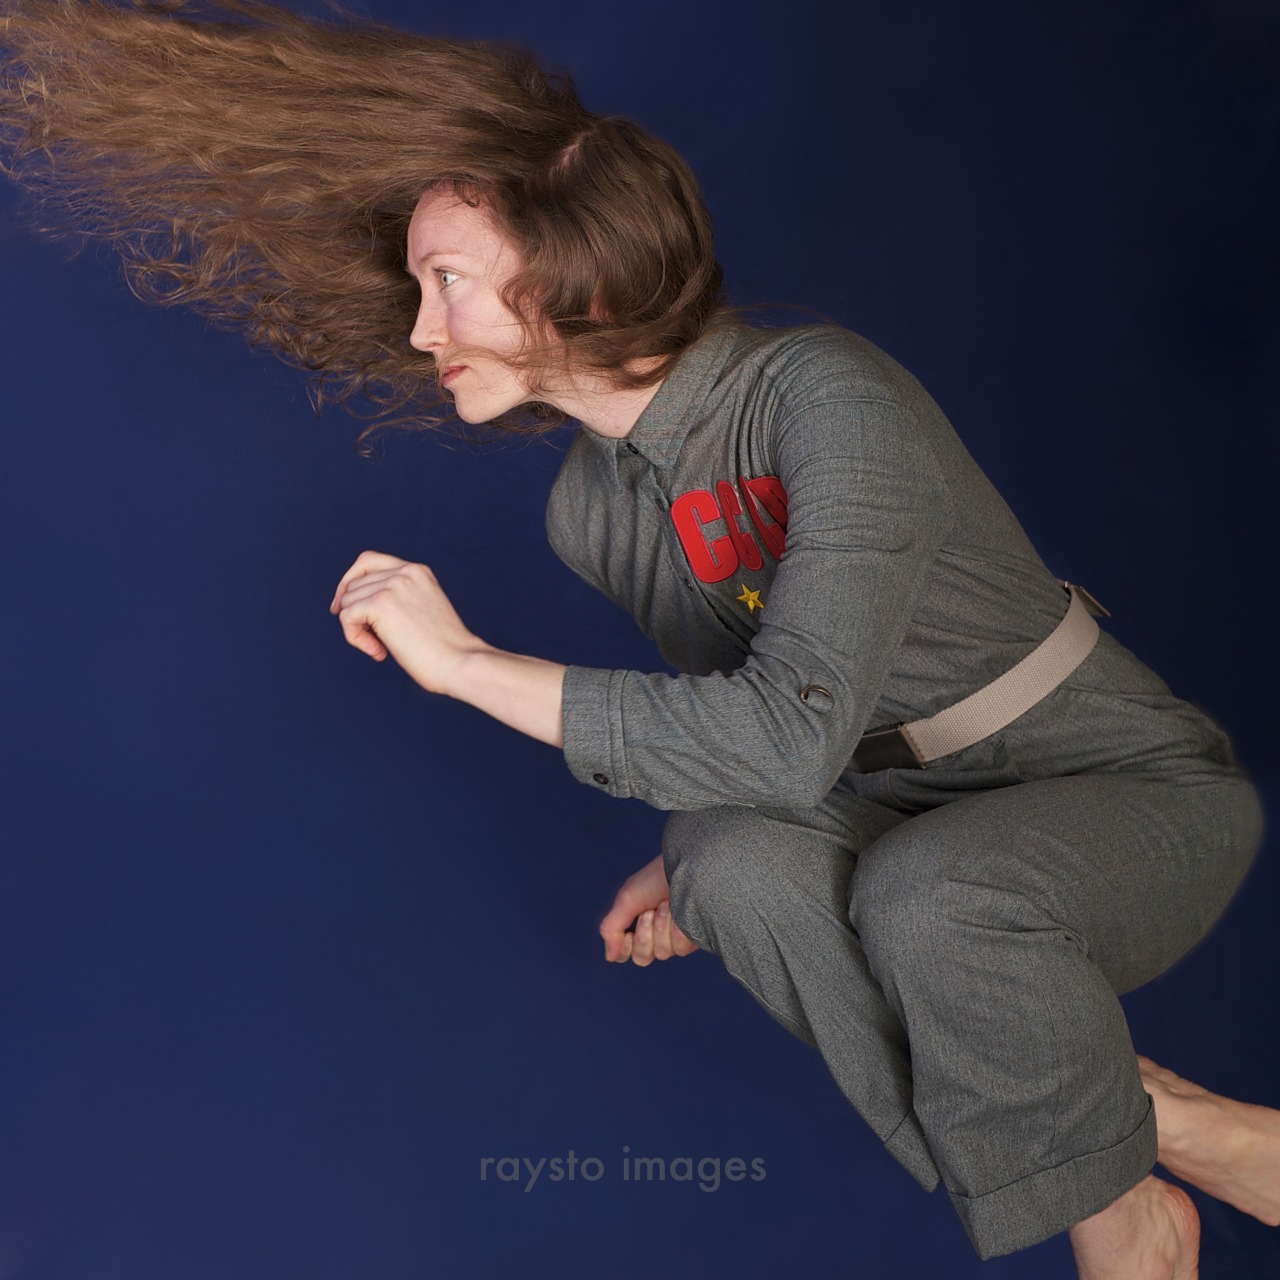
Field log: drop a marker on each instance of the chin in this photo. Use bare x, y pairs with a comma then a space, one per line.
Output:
476, 413
468, 410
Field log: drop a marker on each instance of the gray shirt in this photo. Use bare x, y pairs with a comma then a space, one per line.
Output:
793, 510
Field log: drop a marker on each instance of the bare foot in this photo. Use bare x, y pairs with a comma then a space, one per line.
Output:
1152, 1232
1229, 1149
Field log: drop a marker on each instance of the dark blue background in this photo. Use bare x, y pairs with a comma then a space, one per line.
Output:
287, 945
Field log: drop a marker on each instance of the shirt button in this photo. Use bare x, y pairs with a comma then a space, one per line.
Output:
688, 582
601, 778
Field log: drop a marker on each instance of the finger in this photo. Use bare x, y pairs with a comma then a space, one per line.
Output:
614, 936
662, 923
358, 628
669, 937
359, 625
627, 904
361, 610
681, 943
617, 945
369, 587
365, 562
368, 643
367, 584
613, 928
642, 946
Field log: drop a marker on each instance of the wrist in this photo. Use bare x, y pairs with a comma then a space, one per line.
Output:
467, 674
521, 691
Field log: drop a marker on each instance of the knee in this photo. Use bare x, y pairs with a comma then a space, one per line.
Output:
928, 914
896, 914
710, 873
697, 857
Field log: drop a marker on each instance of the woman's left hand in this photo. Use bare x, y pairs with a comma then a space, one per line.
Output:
644, 898
388, 605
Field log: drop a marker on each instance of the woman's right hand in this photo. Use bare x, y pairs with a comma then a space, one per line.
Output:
644, 898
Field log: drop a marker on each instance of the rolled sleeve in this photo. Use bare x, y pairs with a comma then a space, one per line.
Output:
591, 713
660, 739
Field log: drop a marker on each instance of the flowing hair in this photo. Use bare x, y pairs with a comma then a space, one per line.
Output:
261, 167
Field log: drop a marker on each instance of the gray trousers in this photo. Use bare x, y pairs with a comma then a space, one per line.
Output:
953, 943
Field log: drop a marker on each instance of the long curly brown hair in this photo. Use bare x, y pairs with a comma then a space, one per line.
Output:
261, 167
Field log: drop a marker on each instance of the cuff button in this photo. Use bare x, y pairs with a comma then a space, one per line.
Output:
601, 778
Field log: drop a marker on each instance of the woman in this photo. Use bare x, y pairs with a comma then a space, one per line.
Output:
944, 904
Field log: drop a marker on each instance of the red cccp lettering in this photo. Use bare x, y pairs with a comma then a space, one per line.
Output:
711, 561
773, 498
743, 543
715, 559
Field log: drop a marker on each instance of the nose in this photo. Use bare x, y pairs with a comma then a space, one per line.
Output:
430, 332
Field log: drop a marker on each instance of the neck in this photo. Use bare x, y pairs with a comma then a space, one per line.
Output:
604, 409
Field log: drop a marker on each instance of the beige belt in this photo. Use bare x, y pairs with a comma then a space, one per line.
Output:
915, 744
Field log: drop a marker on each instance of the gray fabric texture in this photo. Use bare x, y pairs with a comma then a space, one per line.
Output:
799, 529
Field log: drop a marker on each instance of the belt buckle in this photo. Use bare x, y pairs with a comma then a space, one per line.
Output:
885, 747
1090, 603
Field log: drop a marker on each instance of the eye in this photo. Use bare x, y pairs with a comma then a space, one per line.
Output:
444, 271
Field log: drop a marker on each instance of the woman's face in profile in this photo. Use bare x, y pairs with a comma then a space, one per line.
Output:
460, 261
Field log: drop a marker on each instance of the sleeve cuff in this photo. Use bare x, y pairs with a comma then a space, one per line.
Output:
591, 714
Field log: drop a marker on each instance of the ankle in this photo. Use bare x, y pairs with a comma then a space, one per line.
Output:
1151, 1232
1182, 1116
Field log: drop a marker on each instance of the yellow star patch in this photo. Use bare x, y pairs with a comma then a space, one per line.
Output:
750, 598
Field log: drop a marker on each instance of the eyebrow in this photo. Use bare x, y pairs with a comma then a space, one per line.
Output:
435, 253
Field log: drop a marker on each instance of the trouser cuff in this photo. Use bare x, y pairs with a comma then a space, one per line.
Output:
1043, 1204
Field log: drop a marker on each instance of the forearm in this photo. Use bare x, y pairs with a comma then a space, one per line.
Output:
523, 692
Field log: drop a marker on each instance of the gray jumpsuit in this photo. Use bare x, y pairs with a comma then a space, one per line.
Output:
797, 526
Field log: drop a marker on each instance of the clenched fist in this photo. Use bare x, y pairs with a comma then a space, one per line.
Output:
644, 898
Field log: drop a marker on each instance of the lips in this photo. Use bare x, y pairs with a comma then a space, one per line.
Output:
451, 372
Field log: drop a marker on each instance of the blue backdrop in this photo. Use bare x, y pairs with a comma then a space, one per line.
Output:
288, 946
